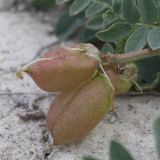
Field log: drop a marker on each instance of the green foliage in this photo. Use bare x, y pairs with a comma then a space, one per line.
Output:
95, 23
114, 19
117, 7
148, 11
154, 38
43, 4
137, 39
114, 32
153, 85
118, 152
109, 2
128, 25
107, 47
109, 18
120, 45
149, 69
61, 1
78, 6
94, 8
67, 25
129, 11
89, 158
157, 135
87, 35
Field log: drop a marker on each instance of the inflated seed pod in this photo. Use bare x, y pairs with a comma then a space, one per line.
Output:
72, 115
122, 79
64, 68
119, 82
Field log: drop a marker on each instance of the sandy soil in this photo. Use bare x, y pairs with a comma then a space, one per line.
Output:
21, 37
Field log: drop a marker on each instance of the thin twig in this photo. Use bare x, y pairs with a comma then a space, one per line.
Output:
130, 57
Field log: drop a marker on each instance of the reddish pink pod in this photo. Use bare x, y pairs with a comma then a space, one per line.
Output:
64, 68
73, 114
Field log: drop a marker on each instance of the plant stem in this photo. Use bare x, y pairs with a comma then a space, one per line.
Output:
129, 57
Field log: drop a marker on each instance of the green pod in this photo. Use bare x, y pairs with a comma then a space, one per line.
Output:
119, 82
72, 115
122, 78
64, 68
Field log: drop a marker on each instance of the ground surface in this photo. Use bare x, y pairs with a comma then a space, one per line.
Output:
22, 35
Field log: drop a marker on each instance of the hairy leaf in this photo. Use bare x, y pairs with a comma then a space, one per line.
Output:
118, 152
43, 4
158, 10
154, 38
61, 1
137, 40
109, 18
89, 158
147, 10
87, 35
129, 11
114, 32
154, 85
157, 135
67, 25
148, 68
94, 8
107, 47
78, 6
96, 23
117, 7
109, 2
